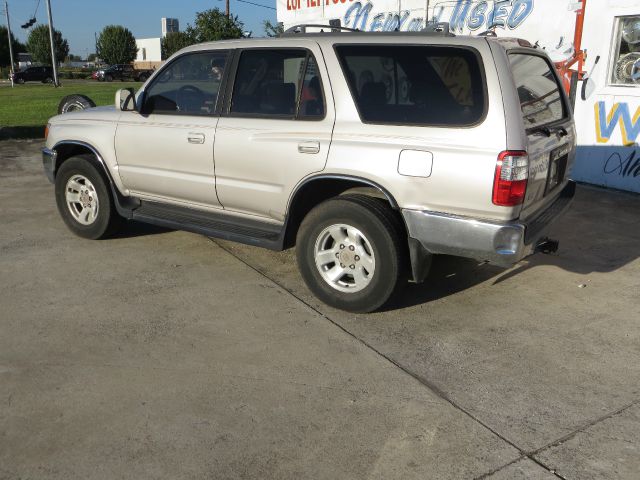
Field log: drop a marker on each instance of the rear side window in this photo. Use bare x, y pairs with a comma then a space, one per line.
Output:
278, 83
414, 85
538, 90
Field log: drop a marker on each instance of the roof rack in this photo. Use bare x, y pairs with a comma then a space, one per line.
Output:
302, 28
438, 28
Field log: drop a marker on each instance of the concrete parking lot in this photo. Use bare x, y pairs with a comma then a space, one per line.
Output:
162, 354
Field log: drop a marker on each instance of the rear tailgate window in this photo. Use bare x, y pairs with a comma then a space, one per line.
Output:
415, 85
540, 97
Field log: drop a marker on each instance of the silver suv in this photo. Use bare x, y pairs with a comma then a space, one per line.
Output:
371, 152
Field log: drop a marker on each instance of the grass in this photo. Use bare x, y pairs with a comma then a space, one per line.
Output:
28, 107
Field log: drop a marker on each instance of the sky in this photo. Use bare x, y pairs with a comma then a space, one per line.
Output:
78, 20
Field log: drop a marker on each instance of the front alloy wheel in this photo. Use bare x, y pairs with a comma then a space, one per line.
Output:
82, 199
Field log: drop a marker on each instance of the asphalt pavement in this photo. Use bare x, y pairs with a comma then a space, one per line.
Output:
163, 354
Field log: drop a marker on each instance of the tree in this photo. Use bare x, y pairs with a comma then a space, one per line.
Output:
92, 57
116, 44
212, 25
5, 58
175, 41
75, 58
39, 47
272, 30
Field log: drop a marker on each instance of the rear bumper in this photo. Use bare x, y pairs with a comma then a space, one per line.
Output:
49, 163
502, 244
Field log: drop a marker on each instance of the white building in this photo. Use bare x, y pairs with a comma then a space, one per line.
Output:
148, 50
170, 25
607, 102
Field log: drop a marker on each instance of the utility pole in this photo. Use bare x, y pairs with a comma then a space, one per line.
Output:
53, 50
6, 11
227, 8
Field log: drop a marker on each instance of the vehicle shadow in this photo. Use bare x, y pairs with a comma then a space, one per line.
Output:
600, 233
133, 228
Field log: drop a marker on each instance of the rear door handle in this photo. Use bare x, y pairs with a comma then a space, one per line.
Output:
197, 138
309, 147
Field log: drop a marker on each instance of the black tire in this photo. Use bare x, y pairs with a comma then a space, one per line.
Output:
20, 81
48, 80
384, 233
75, 102
108, 78
106, 221
143, 77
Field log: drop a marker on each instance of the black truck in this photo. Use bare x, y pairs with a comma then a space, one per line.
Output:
122, 72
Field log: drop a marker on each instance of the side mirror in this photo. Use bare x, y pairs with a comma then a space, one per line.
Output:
126, 100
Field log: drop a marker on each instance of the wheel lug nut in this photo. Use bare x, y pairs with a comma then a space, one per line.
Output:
357, 258
352, 267
337, 255
342, 265
352, 248
341, 246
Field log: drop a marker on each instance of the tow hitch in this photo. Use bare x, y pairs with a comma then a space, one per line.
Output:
548, 246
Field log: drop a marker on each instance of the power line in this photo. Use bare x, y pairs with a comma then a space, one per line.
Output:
257, 4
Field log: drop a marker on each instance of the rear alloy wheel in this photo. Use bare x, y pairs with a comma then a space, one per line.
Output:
84, 199
48, 80
351, 252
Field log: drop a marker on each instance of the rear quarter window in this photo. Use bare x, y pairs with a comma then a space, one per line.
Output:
415, 85
540, 97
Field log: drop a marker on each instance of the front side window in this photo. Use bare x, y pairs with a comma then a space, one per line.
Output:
187, 86
626, 58
541, 101
414, 85
279, 84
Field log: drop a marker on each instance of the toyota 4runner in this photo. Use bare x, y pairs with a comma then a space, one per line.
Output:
371, 152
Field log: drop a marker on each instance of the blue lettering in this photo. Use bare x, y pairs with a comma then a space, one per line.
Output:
415, 25
376, 24
437, 14
477, 18
361, 15
519, 13
391, 23
497, 16
460, 15
403, 19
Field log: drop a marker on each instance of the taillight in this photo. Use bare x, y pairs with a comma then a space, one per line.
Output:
510, 181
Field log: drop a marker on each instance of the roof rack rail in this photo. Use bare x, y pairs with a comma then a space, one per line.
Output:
302, 28
438, 28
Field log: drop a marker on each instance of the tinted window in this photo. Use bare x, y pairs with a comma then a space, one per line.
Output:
188, 86
277, 83
311, 97
414, 85
539, 92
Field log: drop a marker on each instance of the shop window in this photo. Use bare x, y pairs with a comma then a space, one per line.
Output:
626, 56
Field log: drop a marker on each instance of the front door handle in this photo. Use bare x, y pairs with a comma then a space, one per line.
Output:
197, 138
309, 147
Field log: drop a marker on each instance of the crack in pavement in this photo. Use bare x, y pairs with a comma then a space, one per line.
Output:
524, 454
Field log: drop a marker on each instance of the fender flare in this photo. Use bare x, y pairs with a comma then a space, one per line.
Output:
124, 205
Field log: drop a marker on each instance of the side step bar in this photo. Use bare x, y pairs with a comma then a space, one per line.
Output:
211, 224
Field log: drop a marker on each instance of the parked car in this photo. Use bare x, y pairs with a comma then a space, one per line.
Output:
371, 152
34, 74
121, 72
